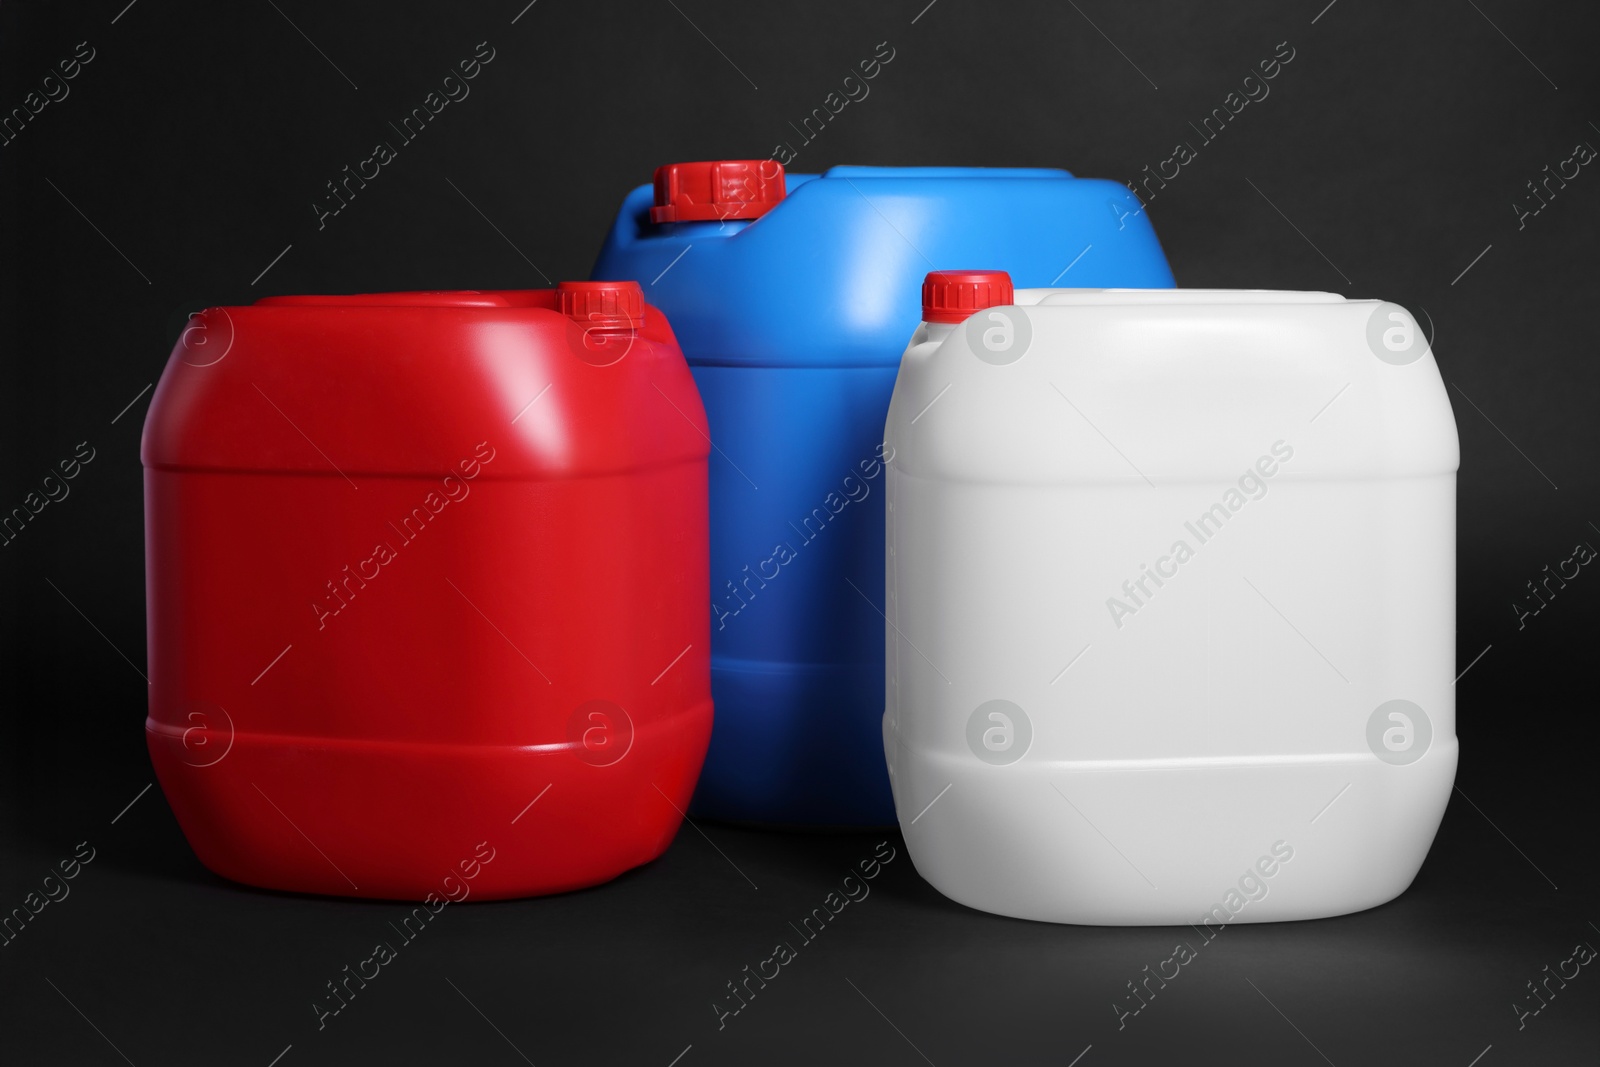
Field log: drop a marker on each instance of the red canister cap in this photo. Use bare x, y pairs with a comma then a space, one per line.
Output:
603, 305
953, 295
717, 190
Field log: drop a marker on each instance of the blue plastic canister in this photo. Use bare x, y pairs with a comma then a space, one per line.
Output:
792, 296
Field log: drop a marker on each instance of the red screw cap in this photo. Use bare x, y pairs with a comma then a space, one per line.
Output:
602, 305
721, 189
953, 295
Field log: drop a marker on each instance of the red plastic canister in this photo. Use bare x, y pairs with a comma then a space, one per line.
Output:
426, 589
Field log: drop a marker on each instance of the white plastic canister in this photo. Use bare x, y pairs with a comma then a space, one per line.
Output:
1171, 602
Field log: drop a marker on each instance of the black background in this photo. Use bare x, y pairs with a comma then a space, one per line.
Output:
187, 156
